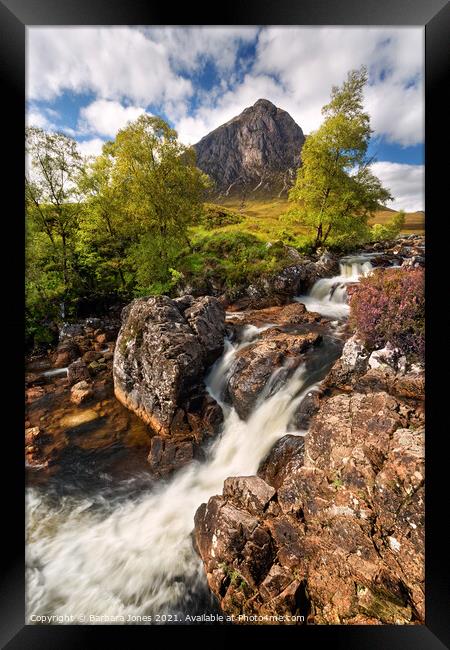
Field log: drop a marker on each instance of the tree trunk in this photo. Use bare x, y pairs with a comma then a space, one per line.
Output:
318, 241
64, 265
326, 234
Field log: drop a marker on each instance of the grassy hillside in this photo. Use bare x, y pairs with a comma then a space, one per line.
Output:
262, 217
414, 222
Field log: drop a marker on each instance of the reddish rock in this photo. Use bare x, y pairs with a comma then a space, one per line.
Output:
81, 392
76, 372
34, 393
90, 356
294, 313
255, 364
339, 533
169, 454
66, 352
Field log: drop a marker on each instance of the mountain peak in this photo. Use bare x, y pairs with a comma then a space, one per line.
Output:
264, 103
256, 152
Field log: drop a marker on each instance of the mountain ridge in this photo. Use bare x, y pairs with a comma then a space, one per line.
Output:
256, 153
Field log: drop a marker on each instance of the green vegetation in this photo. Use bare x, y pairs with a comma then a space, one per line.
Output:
108, 228
231, 258
133, 221
335, 192
389, 230
236, 580
217, 216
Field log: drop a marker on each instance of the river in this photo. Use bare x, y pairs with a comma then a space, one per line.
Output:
121, 549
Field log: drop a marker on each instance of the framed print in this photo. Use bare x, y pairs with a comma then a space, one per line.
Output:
225, 278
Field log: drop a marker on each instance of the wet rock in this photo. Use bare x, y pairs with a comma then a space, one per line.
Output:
95, 367
285, 457
34, 379
34, 393
169, 454
343, 528
239, 551
66, 352
294, 313
90, 356
81, 392
254, 366
76, 372
160, 359
305, 411
32, 435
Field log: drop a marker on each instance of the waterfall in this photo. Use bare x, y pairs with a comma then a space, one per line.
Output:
109, 557
328, 296
105, 558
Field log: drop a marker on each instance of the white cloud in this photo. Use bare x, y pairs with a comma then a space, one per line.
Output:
92, 147
112, 62
189, 48
296, 67
231, 103
310, 61
106, 117
36, 118
406, 183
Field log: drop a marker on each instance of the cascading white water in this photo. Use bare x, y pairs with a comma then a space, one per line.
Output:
136, 558
328, 296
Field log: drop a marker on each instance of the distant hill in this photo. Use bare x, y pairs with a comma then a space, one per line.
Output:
256, 154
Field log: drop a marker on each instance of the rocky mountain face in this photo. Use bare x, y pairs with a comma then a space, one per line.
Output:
256, 153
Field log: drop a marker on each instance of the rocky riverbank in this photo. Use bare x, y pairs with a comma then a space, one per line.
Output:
330, 526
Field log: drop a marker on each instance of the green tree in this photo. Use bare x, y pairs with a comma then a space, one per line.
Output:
104, 233
389, 230
335, 191
160, 192
52, 202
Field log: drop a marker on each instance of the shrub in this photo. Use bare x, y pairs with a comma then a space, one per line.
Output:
389, 305
217, 216
232, 259
389, 230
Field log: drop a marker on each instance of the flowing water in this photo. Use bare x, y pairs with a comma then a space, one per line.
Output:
111, 555
328, 296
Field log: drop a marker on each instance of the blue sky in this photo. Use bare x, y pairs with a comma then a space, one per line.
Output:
89, 82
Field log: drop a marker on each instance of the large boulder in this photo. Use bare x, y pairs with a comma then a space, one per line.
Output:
332, 527
294, 313
162, 352
263, 364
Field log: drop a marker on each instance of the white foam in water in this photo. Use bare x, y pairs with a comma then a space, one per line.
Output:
56, 372
328, 296
137, 557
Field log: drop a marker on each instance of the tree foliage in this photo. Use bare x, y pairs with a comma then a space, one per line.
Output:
53, 207
113, 225
335, 190
160, 192
389, 230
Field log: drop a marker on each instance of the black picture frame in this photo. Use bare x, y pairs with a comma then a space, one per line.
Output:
15, 15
